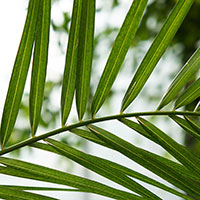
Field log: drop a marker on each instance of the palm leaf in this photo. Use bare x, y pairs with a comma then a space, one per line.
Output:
120, 168
96, 165
156, 50
39, 64
118, 53
37, 172
182, 78
85, 54
69, 79
19, 73
189, 95
12, 193
147, 160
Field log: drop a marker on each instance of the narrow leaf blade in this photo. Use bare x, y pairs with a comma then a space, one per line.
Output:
19, 73
118, 53
37, 172
69, 79
189, 69
189, 95
85, 55
150, 161
156, 50
99, 166
11, 193
39, 64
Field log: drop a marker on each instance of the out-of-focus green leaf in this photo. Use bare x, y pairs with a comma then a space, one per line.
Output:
19, 73
37, 172
156, 51
186, 126
178, 151
85, 55
39, 63
182, 78
149, 161
15, 194
189, 95
118, 53
69, 79
100, 167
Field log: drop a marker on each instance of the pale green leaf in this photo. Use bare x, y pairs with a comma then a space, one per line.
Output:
69, 79
100, 167
156, 51
188, 70
85, 55
14, 194
19, 73
39, 64
118, 53
189, 95
37, 172
150, 161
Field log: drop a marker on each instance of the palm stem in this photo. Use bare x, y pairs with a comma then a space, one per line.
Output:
91, 121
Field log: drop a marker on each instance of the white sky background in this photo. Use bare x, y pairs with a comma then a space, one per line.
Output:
12, 18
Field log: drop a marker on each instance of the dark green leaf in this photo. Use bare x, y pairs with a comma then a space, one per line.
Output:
100, 167
189, 95
19, 73
118, 53
39, 63
189, 69
156, 51
69, 79
85, 54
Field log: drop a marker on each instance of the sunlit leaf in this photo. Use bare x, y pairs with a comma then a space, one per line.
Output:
19, 73
69, 78
85, 55
189, 69
117, 55
39, 64
156, 51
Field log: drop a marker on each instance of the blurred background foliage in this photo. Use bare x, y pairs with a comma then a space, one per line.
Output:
183, 45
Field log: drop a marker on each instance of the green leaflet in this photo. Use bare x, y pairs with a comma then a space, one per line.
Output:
189, 69
186, 126
189, 95
100, 167
121, 169
37, 172
19, 73
39, 64
119, 50
156, 51
9, 193
69, 79
178, 151
150, 161
85, 55
17, 187
194, 123
197, 109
